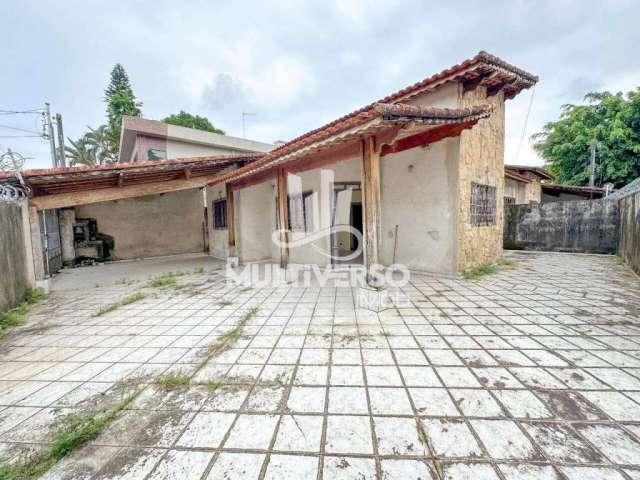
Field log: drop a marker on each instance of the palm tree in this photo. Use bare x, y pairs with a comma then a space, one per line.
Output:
100, 143
80, 153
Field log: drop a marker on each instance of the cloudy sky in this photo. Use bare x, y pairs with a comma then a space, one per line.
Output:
298, 64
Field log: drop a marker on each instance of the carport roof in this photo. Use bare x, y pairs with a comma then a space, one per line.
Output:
52, 181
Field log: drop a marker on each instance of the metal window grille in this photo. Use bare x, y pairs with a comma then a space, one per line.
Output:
220, 214
483, 205
509, 200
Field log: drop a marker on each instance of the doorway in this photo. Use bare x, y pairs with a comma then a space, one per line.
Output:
346, 212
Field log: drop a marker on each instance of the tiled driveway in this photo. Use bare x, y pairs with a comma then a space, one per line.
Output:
531, 373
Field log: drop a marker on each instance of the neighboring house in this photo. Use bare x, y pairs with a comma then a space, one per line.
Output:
552, 192
421, 172
523, 184
143, 140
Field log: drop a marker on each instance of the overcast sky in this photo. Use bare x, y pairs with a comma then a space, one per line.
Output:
299, 64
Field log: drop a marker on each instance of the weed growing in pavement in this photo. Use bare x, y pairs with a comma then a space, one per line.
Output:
17, 316
77, 431
479, 271
125, 301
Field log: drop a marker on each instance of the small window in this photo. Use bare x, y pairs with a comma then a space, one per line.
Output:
300, 212
509, 200
483, 205
220, 214
155, 154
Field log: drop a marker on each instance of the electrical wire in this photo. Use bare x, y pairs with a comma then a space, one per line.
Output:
524, 127
18, 129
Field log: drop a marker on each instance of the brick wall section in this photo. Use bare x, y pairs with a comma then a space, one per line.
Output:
481, 161
629, 246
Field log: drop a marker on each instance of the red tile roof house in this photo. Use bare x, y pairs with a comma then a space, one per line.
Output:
419, 172
422, 170
523, 184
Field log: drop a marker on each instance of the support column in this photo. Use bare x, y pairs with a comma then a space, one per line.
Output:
371, 204
36, 244
67, 219
283, 217
231, 227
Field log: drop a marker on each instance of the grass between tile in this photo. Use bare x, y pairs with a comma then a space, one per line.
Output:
181, 379
77, 431
125, 301
17, 316
487, 268
479, 271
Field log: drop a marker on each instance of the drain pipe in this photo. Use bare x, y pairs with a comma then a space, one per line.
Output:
46, 242
395, 245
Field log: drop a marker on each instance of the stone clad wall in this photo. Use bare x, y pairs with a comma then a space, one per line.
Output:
629, 246
481, 161
584, 226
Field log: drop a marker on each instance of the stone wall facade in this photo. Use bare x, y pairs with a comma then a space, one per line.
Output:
481, 161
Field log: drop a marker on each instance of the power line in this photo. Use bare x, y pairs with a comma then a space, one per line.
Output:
18, 129
524, 127
21, 136
18, 112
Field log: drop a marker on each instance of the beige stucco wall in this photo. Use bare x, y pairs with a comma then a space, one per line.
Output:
254, 217
481, 161
521, 191
218, 238
177, 149
419, 190
155, 225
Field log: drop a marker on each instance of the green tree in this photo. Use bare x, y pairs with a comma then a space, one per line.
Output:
99, 141
80, 153
613, 120
120, 101
184, 119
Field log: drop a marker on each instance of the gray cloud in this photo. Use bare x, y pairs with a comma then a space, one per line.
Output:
298, 65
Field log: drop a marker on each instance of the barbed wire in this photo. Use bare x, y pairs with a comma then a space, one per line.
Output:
13, 193
13, 162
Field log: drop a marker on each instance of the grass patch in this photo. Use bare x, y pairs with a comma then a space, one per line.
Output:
172, 381
479, 271
180, 379
114, 306
505, 262
17, 316
77, 431
198, 270
225, 303
163, 281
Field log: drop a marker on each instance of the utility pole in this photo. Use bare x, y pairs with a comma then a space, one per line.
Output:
52, 142
592, 168
61, 155
244, 116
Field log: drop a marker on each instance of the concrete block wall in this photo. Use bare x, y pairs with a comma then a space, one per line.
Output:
629, 246
16, 261
587, 226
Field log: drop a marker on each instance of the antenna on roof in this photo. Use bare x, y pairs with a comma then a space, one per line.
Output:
244, 116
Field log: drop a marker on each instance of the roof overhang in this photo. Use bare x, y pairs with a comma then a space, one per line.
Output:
537, 171
573, 189
404, 126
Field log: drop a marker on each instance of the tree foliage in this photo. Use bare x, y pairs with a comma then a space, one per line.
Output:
184, 119
613, 120
94, 148
120, 101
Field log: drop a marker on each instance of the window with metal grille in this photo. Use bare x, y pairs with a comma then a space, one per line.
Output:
300, 212
509, 200
483, 205
220, 214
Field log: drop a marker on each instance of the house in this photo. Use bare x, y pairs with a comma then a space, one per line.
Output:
142, 139
419, 172
552, 192
523, 184
415, 179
